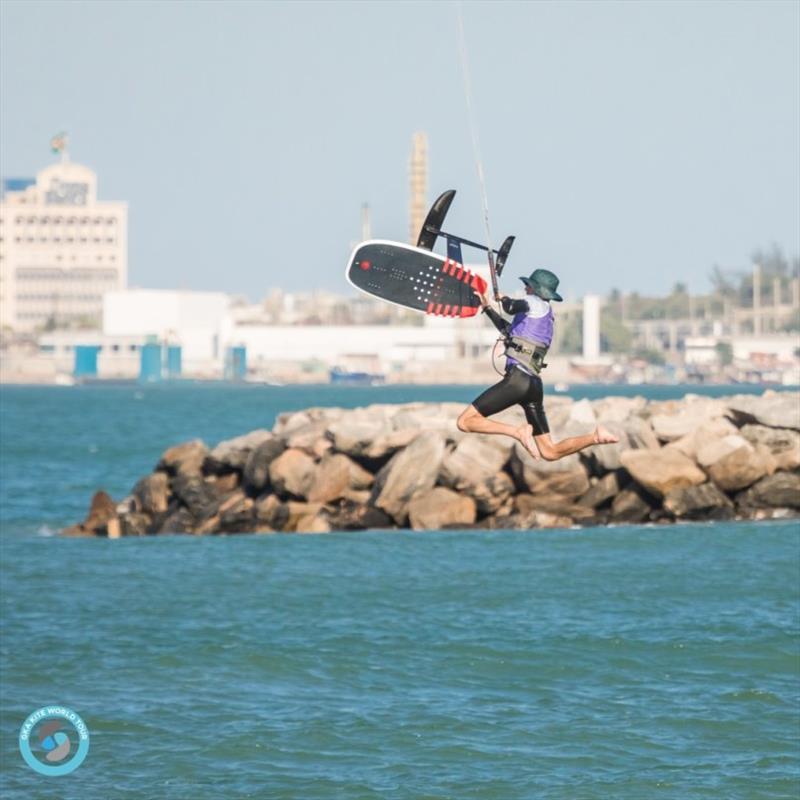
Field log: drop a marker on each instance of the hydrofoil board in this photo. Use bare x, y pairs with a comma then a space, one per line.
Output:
415, 278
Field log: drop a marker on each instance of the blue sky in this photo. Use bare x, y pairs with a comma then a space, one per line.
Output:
625, 144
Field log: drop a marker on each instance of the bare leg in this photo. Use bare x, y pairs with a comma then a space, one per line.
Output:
552, 451
472, 421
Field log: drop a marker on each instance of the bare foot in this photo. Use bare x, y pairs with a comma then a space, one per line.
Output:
525, 437
604, 436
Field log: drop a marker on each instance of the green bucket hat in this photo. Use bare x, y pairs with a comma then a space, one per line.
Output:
544, 283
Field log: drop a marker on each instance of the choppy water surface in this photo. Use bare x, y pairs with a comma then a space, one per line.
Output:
609, 663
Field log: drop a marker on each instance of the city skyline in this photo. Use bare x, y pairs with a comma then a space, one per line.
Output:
625, 145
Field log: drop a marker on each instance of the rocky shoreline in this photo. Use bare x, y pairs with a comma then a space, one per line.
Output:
407, 466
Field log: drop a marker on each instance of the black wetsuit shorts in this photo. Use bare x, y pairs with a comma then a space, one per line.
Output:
516, 388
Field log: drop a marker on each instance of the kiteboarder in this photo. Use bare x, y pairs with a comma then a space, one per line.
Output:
527, 336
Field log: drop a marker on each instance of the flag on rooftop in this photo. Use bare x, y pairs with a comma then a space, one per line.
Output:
58, 144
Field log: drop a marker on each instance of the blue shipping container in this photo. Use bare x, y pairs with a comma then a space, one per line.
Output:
236, 363
86, 360
150, 363
174, 361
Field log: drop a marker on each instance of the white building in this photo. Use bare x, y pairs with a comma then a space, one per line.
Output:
754, 348
701, 351
60, 249
190, 319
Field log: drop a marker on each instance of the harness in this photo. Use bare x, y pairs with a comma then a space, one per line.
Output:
528, 352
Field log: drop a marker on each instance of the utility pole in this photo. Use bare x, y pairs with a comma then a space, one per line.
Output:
756, 299
418, 184
366, 226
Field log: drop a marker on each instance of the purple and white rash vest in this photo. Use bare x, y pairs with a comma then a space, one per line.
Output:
536, 323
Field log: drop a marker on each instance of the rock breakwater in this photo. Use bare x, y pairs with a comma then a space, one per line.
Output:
407, 466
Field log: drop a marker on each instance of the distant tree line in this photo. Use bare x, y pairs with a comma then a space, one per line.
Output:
728, 287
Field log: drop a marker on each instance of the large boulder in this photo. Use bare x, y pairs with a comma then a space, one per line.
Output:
313, 523
237, 515
135, 523
185, 459
430, 418
271, 512
355, 516
335, 475
256, 468
292, 473
102, 514
710, 452
773, 409
474, 459
178, 521
631, 505
232, 455
706, 433
661, 471
557, 417
783, 444
688, 416
582, 412
781, 490
301, 512
354, 435
634, 433
490, 494
543, 519
234, 514
389, 443
525, 504
195, 495
618, 409
440, 507
223, 485
602, 491
151, 494
307, 437
640, 434
412, 470
699, 502
566, 477
733, 463
290, 421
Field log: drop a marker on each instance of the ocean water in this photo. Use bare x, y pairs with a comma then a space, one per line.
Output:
627, 662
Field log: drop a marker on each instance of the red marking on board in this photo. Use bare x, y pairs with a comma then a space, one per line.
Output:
438, 308
468, 311
460, 272
479, 284
446, 311
429, 309
365, 265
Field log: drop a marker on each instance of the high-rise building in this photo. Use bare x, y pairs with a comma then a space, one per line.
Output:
61, 249
418, 185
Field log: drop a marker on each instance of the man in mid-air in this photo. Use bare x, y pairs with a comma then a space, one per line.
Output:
528, 336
